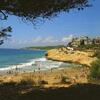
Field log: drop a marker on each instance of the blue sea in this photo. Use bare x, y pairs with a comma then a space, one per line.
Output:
9, 57
25, 60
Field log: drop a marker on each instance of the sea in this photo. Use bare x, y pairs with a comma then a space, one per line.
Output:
27, 61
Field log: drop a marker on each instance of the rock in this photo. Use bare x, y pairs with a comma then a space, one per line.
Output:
79, 57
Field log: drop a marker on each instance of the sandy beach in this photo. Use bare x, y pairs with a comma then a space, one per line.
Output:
61, 77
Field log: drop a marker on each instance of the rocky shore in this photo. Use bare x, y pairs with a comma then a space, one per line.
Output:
73, 56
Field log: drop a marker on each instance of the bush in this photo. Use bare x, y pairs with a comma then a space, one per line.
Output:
97, 54
26, 82
42, 82
65, 79
95, 69
92, 46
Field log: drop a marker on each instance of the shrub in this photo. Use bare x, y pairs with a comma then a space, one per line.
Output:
42, 82
26, 82
95, 69
97, 54
65, 79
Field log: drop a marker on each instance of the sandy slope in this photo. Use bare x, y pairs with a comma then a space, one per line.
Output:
80, 57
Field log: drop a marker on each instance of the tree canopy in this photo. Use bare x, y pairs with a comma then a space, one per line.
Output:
4, 35
31, 10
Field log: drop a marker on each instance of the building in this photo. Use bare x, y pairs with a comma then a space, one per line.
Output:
84, 40
96, 40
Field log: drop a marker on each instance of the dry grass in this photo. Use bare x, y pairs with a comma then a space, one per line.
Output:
56, 78
46, 85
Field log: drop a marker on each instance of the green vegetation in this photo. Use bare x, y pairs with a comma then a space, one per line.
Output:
32, 10
95, 70
44, 47
4, 34
97, 54
95, 66
92, 46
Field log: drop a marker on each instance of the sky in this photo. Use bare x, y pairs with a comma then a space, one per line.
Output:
57, 31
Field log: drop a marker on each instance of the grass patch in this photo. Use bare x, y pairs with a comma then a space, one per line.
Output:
97, 54
95, 70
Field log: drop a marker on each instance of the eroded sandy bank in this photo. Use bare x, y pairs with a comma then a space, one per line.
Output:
84, 58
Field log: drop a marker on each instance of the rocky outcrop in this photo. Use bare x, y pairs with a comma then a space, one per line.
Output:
65, 55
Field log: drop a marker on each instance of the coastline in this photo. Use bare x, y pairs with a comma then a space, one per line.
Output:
65, 55
30, 66
53, 72
12, 59
71, 62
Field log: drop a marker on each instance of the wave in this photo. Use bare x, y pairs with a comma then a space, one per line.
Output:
34, 64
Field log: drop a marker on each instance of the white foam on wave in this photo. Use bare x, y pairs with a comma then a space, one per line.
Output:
43, 64
22, 65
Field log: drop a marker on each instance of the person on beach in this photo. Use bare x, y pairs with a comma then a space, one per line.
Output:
51, 70
33, 68
38, 64
39, 69
9, 72
16, 68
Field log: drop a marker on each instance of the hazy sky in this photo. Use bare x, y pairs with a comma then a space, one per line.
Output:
58, 30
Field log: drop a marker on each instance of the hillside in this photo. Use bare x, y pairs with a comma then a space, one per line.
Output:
43, 47
76, 56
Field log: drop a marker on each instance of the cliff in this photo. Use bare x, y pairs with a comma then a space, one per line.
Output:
65, 55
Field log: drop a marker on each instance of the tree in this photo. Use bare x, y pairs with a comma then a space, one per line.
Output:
4, 35
32, 10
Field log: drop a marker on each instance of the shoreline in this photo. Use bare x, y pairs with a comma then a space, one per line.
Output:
29, 66
22, 65
71, 62
65, 55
